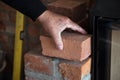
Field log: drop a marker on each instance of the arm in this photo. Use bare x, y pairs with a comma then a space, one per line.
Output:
31, 8
53, 23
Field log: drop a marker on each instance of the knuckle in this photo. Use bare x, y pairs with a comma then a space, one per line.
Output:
67, 19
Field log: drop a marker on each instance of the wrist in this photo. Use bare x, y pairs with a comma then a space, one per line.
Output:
44, 16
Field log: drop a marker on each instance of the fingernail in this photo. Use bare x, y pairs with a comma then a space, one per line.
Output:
60, 47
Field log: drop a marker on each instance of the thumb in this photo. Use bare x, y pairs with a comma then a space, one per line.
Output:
58, 41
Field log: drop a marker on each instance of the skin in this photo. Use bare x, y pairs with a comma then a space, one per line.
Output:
55, 24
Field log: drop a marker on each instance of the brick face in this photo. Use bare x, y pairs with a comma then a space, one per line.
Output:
33, 30
39, 67
75, 10
2, 27
30, 78
37, 63
76, 47
33, 33
7, 14
6, 7
75, 71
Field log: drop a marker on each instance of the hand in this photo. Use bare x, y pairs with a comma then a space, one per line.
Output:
55, 24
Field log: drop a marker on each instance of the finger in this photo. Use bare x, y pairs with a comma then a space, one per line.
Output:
76, 27
58, 41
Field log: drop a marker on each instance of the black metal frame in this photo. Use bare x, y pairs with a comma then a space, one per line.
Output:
101, 47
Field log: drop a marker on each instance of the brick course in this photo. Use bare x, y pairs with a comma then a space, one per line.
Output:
38, 67
38, 63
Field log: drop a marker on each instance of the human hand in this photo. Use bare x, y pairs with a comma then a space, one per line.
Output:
55, 24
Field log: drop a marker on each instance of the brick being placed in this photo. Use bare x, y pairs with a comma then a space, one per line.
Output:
74, 9
77, 47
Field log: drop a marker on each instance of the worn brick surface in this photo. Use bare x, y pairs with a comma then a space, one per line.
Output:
76, 46
74, 9
75, 71
41, 67
30, 78
2, 26
5, 7
33, 33
37, 63
7, 14
38, 76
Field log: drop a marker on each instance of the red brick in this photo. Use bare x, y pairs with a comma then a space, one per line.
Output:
7, 41
36, 63
7, 13
12, 16
76, 47
75, 71
75, 10
7, 36
33, 30
4, 39
6, 7
2, 27
4, 16
29, 78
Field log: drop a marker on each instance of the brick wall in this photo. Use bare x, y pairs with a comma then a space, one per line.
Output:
39, 67
57, 68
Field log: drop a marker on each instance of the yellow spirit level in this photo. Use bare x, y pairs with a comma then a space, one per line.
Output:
18, 46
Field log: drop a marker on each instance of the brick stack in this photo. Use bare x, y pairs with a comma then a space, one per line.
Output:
39, 67
74, 61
